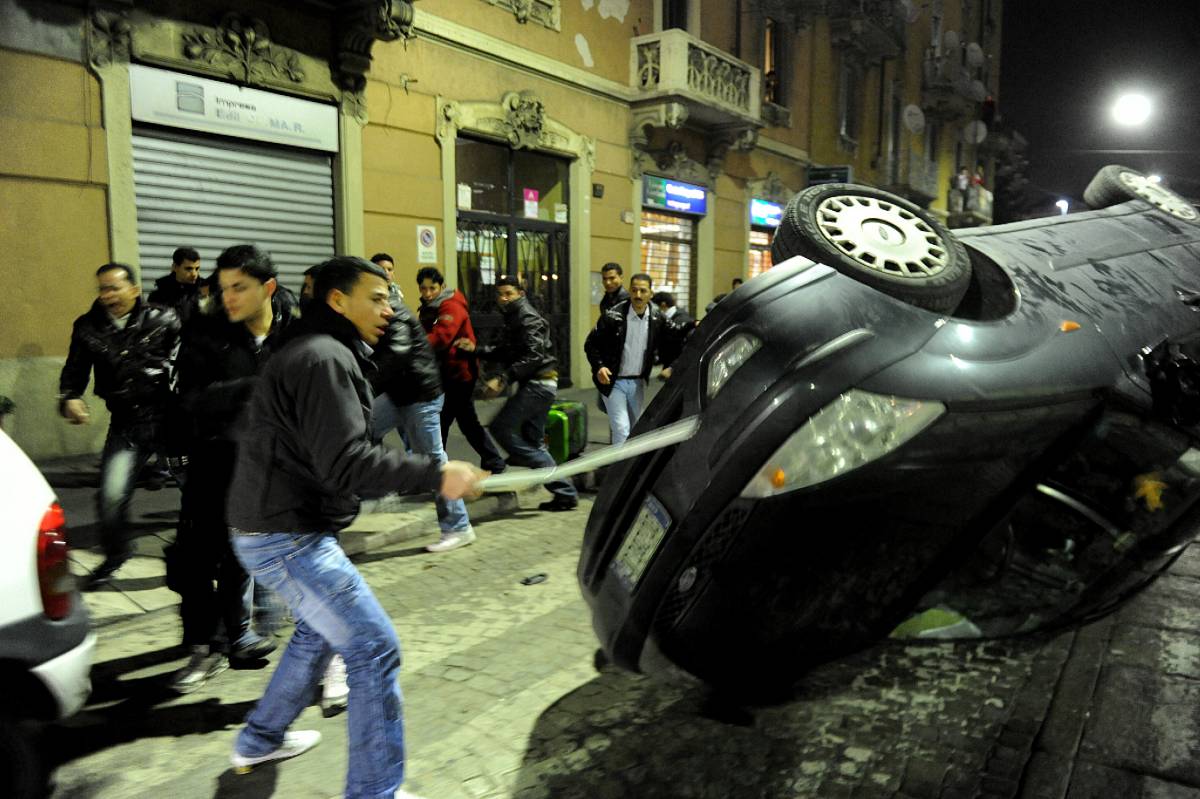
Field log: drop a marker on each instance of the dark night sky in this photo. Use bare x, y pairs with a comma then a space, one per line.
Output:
1063, 62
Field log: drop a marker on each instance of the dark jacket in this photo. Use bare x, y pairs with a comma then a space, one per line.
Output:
606, 343
217, 368
407, 370
676, 330
446, 320
306, 456
611, 299
170, 293
524, 350
132, 366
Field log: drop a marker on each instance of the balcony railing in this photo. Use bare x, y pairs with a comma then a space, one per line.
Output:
718, 88
947, 89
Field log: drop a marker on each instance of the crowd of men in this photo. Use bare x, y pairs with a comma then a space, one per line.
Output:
270, 410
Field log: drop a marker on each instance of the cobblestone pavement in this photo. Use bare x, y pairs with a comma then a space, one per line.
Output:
502, 700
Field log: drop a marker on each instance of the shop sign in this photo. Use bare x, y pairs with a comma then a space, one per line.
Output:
531, 203
830, 174
765, 214
674, 195
185, 101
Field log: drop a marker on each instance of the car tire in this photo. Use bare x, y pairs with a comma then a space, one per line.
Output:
1115, 184
20, 767
879, 239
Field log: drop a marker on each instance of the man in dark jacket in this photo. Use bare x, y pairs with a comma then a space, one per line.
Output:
445, 318
223, 350
678, 326
306, 459
525, 356
408, 398
612, 276
131, 347
180, 289
621, 350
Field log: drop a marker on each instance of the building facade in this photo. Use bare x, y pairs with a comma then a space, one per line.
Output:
541, 138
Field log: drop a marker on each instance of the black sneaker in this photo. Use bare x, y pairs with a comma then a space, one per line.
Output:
253, 651
103, 574
559, 504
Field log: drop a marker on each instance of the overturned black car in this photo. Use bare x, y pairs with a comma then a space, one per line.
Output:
909, 432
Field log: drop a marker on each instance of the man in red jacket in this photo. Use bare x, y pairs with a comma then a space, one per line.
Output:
445, 318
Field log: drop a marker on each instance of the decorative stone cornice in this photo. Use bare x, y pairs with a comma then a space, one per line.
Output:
242, 47
108, 38
672, 161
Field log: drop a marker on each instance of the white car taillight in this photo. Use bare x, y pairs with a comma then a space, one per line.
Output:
54, 574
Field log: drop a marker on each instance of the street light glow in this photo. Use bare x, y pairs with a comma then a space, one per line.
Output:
1062, 206
1131, 109
1154, 178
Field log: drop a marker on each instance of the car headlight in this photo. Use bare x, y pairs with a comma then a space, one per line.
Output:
853, 430
728, 358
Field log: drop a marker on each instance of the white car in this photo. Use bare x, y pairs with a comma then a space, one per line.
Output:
46, 642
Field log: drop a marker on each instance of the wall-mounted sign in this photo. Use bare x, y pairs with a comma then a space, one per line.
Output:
185, 101
531, 203
674, 195
427, 244
765, 214
830, 174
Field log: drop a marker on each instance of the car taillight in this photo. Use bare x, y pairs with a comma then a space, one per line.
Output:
54, 573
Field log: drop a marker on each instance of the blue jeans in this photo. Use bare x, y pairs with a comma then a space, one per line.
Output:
335, 611
520, 427
127, 447
624, 406
420, 424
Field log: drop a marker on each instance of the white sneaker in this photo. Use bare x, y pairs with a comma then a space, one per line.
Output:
454, 540
294, 743
335, 693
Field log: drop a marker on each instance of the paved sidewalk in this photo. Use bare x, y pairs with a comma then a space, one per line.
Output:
140, 585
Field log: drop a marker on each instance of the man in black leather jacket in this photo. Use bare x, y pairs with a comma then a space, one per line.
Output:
222, 353
408, 398
130, 346
621, 350
180, 288
525, 356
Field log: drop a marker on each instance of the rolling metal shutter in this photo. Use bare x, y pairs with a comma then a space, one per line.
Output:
210, 193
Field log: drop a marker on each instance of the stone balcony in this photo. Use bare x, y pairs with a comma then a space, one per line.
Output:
695, 82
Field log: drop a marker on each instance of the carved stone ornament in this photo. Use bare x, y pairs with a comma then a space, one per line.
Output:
542, 12
109, 37
242, 46
671, 161
519, 119
771, 187
524, 118
362, 23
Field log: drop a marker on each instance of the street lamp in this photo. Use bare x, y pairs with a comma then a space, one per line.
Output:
1062, 206
1131, 110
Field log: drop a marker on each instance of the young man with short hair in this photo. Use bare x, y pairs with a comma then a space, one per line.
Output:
306, 459
130, 346
388, 264
621, 350
446, 319
223, 351
527, 357
611, 276
179, 288
409, 399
